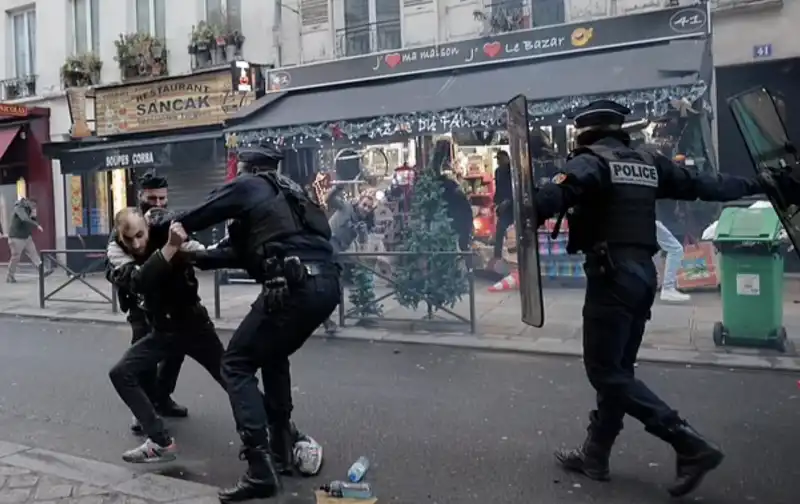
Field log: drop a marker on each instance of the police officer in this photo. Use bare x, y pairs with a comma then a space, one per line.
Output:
610, 191
159, 383
281, 237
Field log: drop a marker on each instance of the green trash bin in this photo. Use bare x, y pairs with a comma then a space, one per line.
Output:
751, 279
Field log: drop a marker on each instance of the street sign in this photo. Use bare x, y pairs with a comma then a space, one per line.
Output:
762, 51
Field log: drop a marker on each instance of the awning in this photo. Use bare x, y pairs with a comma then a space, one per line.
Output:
7, 136
143, 153
680, 62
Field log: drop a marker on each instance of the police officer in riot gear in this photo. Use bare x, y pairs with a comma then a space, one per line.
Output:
281, 237
610, 191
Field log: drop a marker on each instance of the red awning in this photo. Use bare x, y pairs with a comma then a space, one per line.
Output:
7, 135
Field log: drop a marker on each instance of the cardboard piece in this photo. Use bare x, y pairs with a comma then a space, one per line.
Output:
324, 498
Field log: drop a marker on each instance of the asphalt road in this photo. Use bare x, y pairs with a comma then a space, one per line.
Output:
440, 425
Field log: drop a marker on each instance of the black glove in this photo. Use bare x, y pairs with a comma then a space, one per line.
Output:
276, 288
294, 271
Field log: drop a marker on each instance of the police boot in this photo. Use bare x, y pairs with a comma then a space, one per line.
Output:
261, 481
696, 456
591, 458
282, 437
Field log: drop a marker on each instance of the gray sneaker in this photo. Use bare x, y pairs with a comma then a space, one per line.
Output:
11, 279
151, 452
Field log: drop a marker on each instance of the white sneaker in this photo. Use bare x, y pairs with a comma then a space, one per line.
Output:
674, 296
151, 452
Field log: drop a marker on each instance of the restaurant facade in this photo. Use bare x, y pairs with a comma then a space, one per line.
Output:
172, 126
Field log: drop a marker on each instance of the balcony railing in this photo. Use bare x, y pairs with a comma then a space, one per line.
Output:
369, 38
18, 87
502, 16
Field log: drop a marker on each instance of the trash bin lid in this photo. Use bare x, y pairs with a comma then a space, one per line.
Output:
748, 224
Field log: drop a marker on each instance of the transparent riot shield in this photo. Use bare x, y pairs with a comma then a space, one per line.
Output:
525, 221
759, 121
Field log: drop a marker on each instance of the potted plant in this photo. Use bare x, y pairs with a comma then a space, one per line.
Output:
125, 56
93, 66
72, 72
202, 38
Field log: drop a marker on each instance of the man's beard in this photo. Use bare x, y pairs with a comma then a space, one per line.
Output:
144, 206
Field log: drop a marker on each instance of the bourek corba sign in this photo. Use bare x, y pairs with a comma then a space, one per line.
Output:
543, 42
182, 102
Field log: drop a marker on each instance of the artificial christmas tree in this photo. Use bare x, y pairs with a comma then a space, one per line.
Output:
362, 293
435, 279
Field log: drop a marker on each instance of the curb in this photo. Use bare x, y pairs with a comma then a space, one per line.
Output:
490, 342
100, 478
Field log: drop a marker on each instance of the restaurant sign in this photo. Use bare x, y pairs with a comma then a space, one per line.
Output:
182, 102
542, 42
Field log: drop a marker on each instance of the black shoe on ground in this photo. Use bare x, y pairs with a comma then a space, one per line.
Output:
696, 457
591, 458
171, 409
261, 481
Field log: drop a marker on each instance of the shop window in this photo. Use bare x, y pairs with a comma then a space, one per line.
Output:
151, 17
93, 199
86, 26
224, 13
23, 41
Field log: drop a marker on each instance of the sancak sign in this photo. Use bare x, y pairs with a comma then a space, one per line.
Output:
543, 42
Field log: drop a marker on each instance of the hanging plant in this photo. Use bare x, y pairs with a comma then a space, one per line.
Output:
140, 55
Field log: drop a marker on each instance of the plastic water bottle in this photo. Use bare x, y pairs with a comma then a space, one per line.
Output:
358, 469
344, 490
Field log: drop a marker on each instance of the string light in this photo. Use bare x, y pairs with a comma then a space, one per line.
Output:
646, 103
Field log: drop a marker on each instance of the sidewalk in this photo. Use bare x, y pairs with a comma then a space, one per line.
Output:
676, 333
34, 476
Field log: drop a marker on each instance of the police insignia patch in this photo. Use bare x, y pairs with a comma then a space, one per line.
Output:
559, 178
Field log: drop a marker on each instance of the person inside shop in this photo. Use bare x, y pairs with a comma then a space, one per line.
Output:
459, 208
20, 237
503, 198
612, 191
159, 382
164, 284
281, 236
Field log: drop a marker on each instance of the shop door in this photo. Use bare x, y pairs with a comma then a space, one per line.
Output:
458, 19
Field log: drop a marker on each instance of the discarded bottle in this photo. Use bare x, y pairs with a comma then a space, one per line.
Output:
345, 490
358, 469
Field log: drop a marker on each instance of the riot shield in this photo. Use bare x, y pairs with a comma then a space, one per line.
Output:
525, 221
761, 125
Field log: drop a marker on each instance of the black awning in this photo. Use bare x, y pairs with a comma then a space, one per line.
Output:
678, 63
144, 153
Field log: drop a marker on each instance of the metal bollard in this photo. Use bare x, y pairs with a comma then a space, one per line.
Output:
41, 281
217, 308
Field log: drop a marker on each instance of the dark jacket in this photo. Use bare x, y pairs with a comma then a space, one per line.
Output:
458, 207
167, 291
22, 223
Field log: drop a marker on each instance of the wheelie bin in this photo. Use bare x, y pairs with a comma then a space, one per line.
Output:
751, 281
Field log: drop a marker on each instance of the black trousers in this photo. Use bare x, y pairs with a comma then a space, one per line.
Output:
193, 335
616, 310
265, 341
503, 223
158, 382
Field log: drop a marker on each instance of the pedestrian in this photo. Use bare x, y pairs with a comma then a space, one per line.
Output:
281, 236
178, 323
502, 201
159, 382
611, 192
20, 237
674, 250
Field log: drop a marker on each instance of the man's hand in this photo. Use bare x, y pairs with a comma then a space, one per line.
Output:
177, 235
40, 228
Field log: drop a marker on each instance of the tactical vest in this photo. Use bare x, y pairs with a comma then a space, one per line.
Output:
624, 214
290, 215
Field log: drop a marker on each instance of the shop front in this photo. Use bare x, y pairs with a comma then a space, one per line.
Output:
24, 170
657, 63
172, 126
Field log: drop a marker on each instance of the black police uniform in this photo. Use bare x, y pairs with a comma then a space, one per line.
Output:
179, 325
610, 191
159, 382
274, 218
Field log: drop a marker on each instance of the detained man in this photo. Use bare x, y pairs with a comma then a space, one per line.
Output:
166, 289
160, 381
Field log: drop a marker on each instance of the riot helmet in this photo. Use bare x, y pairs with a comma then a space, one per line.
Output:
257, 157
